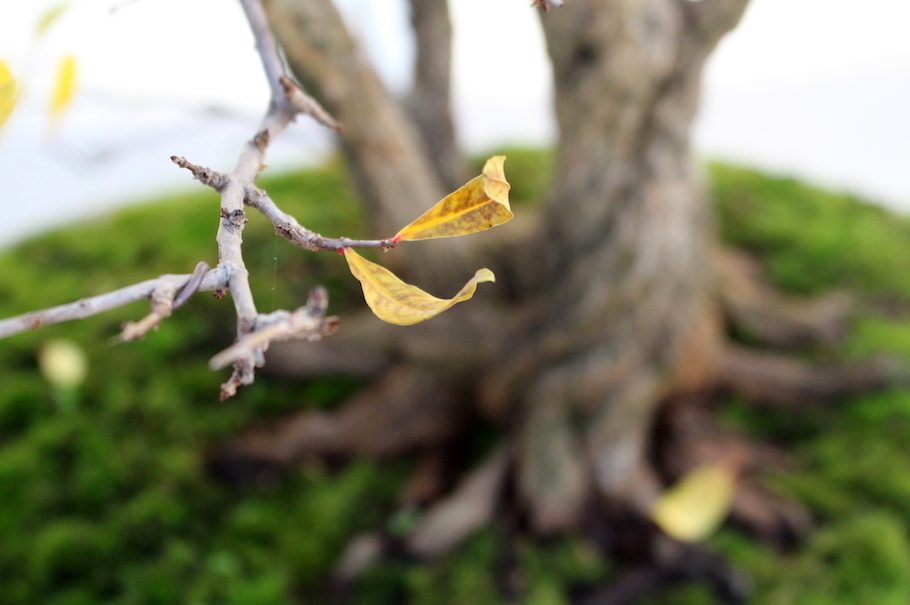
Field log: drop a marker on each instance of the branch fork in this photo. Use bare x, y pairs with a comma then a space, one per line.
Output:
168, 292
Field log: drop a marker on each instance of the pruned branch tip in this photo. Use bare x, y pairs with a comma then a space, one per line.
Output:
306, 104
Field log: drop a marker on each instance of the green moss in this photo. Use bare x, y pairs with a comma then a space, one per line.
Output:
109, 501
811, 239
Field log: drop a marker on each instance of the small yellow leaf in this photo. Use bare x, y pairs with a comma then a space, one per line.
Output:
49, 17
7, 93
698, 503
64, 86
480, 204
399, 303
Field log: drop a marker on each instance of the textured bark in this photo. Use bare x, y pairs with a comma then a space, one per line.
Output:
388, 159
630, 275
430, 103
386, 154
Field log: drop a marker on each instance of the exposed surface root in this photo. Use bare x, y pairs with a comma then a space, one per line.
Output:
776, 380
548, 477
760, 312
470, 507
405, 411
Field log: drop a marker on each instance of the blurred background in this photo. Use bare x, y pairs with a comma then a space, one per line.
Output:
108, 489
816, 88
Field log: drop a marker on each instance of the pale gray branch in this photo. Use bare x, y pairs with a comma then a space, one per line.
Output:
268, 50
250, 162
307, 322
166, 293
285, 225
304, 103
165, 298
162, 299
93, 305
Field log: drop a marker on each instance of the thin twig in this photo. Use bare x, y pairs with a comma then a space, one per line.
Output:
250, 162
206, 176
285, 225
162, 299
187, 291
267, 48
166, 293
306, 104
93, 305
307, 322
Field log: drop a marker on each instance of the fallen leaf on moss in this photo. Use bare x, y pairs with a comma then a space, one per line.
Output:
697, 504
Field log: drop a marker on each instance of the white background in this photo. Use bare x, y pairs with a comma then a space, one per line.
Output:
815, 88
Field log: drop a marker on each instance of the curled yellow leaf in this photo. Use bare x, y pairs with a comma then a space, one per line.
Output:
399, 303
480, 204
64, 86
7, 92
698, 503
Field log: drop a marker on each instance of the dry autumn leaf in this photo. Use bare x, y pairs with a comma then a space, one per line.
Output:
64, 87
399, 303
698, 503
7, 93
480, 204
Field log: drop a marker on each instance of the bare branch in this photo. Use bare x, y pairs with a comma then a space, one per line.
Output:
162, 299
206, 176
87, 307
287, 227
187, 291
166, 293
267, 48
304, 103
250, 162
307, 322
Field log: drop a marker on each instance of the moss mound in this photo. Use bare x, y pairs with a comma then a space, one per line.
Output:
103, 493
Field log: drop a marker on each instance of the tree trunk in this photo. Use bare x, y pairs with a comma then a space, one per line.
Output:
624, 276
430, 102
629, 268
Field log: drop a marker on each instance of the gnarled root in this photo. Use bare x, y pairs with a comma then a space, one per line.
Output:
406, 411
785, 381
757, 310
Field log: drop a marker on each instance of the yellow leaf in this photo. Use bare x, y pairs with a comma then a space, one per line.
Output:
695, 507
49, 17
64, 86
7, 92
480, 204
399, 303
